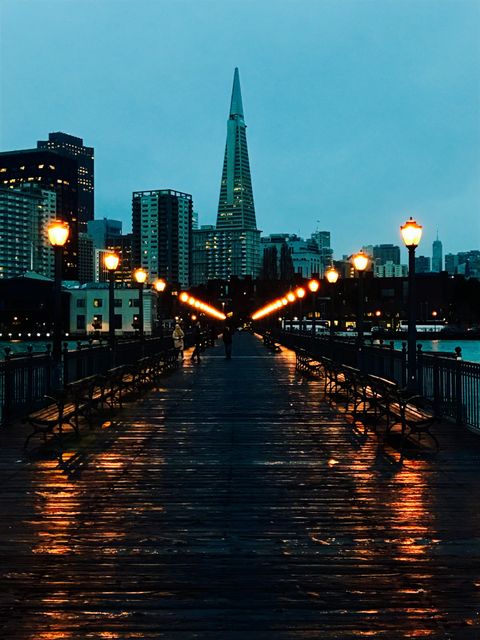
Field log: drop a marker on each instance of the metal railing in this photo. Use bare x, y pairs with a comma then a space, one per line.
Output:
25, 379
452, 384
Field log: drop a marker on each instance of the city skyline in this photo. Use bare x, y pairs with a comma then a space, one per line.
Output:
364, 126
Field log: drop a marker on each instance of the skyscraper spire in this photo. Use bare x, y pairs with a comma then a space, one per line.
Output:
236, 209
236, 106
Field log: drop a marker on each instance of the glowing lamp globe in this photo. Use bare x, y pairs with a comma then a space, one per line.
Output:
360, 261
313, 285
411, 233
290, 296
332, 275
183, 296
58, 232
300, 293
160, 285
140, 276
111, 261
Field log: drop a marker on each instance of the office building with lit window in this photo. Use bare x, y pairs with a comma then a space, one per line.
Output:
162, 234
49, 171
73, 147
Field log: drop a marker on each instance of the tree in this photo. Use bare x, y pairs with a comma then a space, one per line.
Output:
286, 264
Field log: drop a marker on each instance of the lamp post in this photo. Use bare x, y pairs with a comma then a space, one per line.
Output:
300, 293
160, 288
290, 298
434, 316
332, 276
58, 232
140, 276
411, 234
313, 285
360, 262
111, 261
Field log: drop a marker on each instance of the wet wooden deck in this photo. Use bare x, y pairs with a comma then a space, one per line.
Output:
236, 504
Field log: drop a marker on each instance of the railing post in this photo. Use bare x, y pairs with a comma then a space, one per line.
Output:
8, 385
436, 386
78, 363
458, 386
48, 372
419, 369
404, 364
392, 359
65, 363
30, 376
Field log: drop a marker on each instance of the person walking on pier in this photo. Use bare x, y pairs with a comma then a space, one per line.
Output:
227, 341
178, 339
197, 340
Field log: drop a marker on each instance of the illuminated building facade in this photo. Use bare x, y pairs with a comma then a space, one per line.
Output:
162, 234
73, 147
49, 171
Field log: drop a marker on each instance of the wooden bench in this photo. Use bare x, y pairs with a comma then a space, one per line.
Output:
270, 343
371, 398
77, 400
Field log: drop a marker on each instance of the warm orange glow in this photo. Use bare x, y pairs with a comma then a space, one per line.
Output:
160, 285
313, 285
284, 301
111, 261
331, 275
140, 275
202, 306
378, 313
411, 233
360, 261
58, 232
290, 296
300, 292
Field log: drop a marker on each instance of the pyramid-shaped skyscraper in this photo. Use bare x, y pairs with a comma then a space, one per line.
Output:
232, 248
236, 209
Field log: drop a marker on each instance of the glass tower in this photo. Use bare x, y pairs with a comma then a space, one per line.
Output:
236, 209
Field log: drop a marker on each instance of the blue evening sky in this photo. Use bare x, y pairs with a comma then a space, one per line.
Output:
359, 113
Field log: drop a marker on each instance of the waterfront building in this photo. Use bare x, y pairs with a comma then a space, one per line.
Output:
451, 263
162, 234
49, 171
323, 239
437, 256
89, 309
73, 147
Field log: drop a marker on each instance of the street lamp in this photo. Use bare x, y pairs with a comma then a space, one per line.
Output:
160, 288
300, 293
360, 262
332, 276
58, 232
111, 262
313, 285
411, 234
140, 276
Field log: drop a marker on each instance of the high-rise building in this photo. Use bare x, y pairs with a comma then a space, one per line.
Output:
86, 258
236, 209
383, 253
162, 234
49, 171
122, 246
73, 147
233, 248
437, 256
102, 230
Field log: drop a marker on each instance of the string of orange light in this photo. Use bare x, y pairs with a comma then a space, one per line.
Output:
201, 306
290, 297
